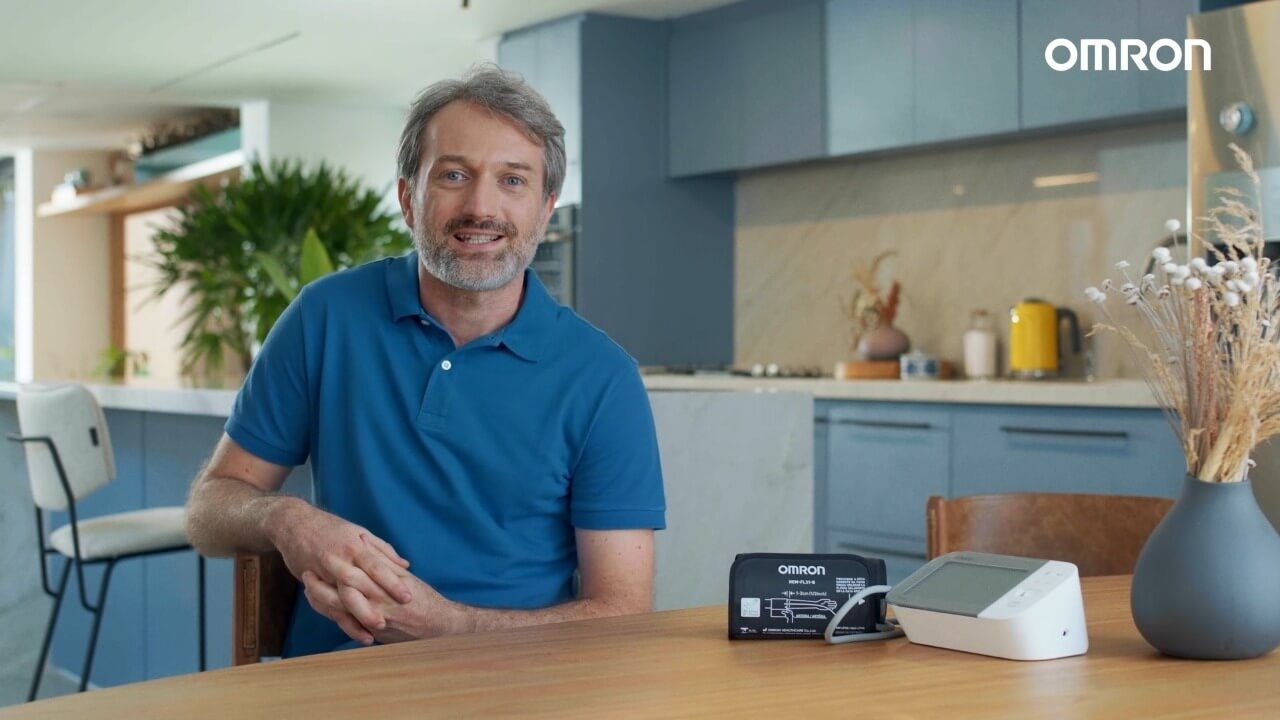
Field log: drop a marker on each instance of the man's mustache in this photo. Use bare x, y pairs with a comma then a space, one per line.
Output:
478, 225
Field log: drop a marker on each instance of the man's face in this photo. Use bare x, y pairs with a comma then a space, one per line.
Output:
476, 208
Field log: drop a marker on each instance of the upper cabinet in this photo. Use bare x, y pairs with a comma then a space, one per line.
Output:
1051, 97
919, 71
870, 76
782, 118
1157, 19
745, 87
550, 59
764, 82
966, 68
705, 90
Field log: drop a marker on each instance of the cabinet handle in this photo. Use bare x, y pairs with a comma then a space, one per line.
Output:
1111, 434
887, 424
845, 545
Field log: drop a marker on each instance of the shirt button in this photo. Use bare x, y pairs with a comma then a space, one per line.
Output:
446, 365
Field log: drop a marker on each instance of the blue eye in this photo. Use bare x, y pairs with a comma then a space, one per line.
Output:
453, 175
513, 180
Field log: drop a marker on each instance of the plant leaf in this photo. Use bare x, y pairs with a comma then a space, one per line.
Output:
315, 262
275, 271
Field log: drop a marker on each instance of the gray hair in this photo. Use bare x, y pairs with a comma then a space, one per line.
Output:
501, 92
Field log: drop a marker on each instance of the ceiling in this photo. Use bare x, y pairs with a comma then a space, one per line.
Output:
77, 73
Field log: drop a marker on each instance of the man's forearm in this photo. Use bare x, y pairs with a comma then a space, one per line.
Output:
456, 618
482, 619
225, 515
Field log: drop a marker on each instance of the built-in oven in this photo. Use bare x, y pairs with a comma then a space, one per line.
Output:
553, 261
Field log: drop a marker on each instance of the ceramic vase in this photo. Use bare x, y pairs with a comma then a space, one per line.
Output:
1207, 583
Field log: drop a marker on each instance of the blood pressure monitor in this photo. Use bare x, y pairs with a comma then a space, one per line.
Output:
1000, 605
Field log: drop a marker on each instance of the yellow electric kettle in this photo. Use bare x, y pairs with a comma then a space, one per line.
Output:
1033, 338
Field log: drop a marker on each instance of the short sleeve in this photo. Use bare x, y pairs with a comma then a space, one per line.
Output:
271, 415
617, 482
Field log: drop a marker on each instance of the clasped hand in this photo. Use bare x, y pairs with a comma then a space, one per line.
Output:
366, 615
359, 581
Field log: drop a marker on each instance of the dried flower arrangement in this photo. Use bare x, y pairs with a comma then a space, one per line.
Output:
868, 309
1208, 336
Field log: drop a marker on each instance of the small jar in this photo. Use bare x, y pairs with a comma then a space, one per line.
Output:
917, 365
980, 346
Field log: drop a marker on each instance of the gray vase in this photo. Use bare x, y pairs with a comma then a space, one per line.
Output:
1207, 583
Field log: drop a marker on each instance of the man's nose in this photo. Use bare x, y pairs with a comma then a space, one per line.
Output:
482, 199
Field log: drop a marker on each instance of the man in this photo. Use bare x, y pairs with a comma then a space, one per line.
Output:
472, 442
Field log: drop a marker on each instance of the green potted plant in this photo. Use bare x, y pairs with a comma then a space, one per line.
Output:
117, 363
242, 252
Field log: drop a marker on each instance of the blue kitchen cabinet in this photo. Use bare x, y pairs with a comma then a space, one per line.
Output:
898, 565
918, 72
870, 84
966, 68
883, 462
1157, 20
877, 463
706, 89
745, 87
1057, 449
1051, 97
783, 109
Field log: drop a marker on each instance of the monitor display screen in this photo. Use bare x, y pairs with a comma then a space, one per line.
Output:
962, 588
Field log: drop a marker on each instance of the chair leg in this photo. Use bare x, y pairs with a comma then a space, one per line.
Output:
97, 624
200, 606
48, 633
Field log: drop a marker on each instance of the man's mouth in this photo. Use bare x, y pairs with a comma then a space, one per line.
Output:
475, 238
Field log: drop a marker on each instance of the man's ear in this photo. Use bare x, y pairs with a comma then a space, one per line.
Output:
549, 208
405, 195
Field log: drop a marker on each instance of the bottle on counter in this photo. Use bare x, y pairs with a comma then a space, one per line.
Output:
980, 346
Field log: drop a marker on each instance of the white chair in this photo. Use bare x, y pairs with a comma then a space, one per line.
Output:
69, 455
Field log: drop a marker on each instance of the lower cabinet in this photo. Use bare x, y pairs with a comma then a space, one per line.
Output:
898, 564
877, 463
880, 461
1088, 450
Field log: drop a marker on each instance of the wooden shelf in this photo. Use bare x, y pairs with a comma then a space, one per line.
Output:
164, 191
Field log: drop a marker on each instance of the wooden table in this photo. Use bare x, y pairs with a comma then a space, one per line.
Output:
680, 664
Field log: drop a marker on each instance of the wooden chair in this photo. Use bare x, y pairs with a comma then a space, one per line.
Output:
263, 605
1101, 534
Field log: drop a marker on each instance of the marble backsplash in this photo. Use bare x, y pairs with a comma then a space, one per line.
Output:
971, 230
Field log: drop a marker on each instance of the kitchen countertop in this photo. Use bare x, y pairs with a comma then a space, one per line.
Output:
144, 397
1101, 393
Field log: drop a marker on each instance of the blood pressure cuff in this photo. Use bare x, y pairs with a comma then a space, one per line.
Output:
790, 595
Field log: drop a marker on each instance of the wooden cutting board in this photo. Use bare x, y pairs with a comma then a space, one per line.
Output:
868, 370
882, 370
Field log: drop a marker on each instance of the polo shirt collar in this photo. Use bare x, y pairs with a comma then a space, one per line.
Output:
525, 335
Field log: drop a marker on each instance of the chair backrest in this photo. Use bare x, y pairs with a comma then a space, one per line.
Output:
1101, 534
262, 606
71, 417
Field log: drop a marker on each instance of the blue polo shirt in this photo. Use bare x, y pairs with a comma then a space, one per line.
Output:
476, 462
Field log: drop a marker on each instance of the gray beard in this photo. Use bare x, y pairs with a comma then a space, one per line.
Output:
474, 275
